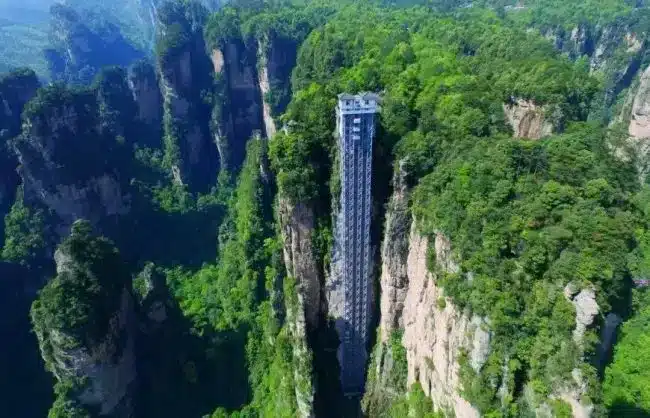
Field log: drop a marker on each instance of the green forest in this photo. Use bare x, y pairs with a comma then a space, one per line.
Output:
171, 204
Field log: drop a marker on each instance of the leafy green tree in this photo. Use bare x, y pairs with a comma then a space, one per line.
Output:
627, 380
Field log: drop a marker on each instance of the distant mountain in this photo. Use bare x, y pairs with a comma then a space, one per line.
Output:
25, 27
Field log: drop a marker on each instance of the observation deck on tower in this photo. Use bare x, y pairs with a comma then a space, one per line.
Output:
356, 131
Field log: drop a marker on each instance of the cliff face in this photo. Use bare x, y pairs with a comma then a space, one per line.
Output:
277, 58
436, 332
297, 223
615, 51
302, 358
143, 83
186, 78
425, 338
245, 113
416, 316
394, 253
67, 164
265, 90
635, 116
527, 119
16, 89
95, 351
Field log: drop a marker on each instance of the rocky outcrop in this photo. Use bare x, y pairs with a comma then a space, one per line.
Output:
143, 83
394, 253
527, 119
265, 90
112, 376
94, 348
67, 165
586, 308
639, 127
635, 118
436, 332
574, 391
16, 89
302, 357
277, 58
297, 222
244, 96
186, 77
221, 123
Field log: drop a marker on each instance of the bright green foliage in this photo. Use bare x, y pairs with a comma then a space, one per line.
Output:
627, 380
242, 295
74, 310
24, 233
386, 394
414, 404
79, 302
66, 405
237, 279
526, 219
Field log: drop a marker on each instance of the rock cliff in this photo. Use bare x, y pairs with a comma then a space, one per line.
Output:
143, 83
614, 51
436, 332
297, 223
417, 316
67, 164
16, 89
394, 253
245, 113
527, 119
276, 58
92, 348
186, 77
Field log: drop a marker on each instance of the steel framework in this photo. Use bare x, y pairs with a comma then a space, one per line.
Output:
356, 126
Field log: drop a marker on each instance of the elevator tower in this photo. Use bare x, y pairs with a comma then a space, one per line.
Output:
356, 131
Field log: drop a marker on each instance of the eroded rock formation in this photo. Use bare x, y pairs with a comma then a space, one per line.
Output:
297, 221
527, 119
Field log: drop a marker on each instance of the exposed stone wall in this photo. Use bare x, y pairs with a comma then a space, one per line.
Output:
297, 223
265, 88
437, 332
394, 253
527, 119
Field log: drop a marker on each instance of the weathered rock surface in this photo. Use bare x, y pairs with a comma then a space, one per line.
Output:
186, 77
586, 311
277, 58
265, 89
302, 358
67, 165
96, 351
639, 127
527, 119
111, 367
244, 97
144, 86
297, 222
16, 89
394, 253
435, 336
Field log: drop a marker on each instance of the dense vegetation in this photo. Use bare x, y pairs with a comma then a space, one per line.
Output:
200, 245
77, 309
626, 383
